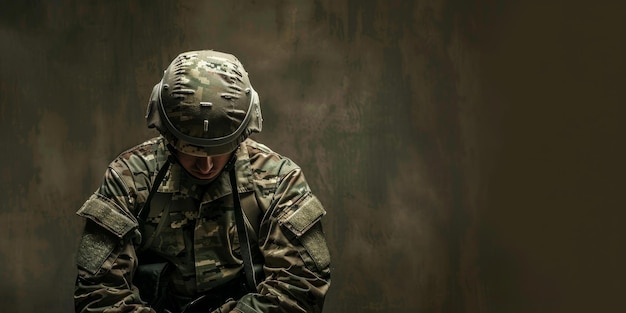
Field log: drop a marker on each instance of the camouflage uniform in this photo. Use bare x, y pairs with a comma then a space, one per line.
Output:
193, 227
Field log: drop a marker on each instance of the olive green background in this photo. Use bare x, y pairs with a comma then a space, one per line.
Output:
470, 153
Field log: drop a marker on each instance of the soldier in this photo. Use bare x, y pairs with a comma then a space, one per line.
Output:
165, 230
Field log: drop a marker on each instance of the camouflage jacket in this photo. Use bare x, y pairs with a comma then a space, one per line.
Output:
193, 227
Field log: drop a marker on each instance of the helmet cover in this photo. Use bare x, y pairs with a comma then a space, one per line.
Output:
204, 105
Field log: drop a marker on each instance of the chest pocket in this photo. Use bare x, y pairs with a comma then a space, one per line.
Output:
165, 224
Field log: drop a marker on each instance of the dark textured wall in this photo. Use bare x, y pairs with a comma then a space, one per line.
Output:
470, 153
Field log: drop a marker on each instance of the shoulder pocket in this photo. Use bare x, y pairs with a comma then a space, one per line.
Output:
309, 210
105, 227
108, 215
304, 224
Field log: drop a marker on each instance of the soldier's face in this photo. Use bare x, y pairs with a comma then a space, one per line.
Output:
203, 167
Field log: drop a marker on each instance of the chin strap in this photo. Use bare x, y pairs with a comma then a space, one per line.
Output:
242, 230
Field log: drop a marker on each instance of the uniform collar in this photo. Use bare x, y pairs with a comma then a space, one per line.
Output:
178, 184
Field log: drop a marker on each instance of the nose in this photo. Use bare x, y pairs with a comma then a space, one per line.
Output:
204, 164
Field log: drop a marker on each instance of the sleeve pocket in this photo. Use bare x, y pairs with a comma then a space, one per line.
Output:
106, 225
309, 211
304, 224
108, 215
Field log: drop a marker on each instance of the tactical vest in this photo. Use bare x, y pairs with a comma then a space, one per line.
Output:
199, 238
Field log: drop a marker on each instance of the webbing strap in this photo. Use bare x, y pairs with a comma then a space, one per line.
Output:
244, 238
145, 209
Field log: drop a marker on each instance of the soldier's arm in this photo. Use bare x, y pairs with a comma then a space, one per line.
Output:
297, 260
106, 258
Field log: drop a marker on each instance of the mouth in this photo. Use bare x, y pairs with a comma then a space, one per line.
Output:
208, 175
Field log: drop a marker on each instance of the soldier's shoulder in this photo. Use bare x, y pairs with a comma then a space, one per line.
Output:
254, 147
142, 156
265, 160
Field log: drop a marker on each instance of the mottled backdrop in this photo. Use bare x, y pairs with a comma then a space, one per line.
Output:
470, 153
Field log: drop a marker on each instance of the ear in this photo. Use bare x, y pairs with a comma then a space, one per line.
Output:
153, 119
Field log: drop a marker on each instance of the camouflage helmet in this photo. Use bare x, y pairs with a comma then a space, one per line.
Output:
204, 105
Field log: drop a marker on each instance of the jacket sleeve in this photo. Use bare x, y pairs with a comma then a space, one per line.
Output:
106, 258
297, 259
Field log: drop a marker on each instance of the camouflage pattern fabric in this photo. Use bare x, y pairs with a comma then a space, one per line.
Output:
193, 227
205, 104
